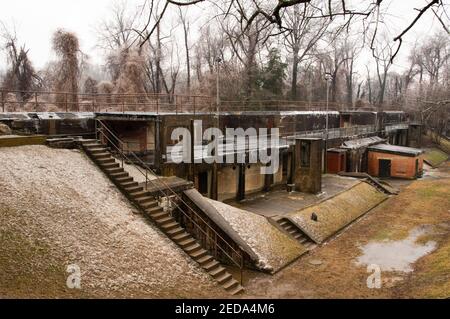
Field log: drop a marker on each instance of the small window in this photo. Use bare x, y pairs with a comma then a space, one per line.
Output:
305, 154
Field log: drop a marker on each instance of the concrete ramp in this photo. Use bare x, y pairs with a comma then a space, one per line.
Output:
323, 220
268, 247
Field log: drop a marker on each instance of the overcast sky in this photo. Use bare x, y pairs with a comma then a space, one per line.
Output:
36, 20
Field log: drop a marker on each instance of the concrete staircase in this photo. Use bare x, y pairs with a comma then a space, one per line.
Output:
148, 204
295, 232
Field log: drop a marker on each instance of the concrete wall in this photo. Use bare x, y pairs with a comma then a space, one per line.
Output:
254, 180
227, 182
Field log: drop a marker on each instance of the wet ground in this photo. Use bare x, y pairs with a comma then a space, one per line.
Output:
281, 202
397, 255
407, 237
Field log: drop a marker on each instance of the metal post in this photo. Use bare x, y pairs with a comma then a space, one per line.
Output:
194, 105
3, 102
35, 101
215, 180
328, 78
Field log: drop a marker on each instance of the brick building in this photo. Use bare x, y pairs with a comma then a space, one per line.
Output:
386, 161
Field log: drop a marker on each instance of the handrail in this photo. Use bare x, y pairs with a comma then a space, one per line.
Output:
217, 235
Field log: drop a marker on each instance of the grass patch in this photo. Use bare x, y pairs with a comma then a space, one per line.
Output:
435, 157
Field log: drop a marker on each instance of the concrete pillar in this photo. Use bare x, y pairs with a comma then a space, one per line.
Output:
214, 193
192, 161
290, 169
308, 165
241, 182
268, 181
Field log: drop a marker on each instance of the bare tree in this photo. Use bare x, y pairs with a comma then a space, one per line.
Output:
67, 48
382, 55
304, 35
186, 29
118, 31
20, 75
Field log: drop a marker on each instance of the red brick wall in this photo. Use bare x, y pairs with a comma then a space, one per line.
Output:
401, 166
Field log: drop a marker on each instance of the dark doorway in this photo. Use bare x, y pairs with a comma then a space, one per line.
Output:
384, 168
417, 169
203, 183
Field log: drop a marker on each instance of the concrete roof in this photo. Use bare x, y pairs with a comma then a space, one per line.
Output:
364, 142
394, 149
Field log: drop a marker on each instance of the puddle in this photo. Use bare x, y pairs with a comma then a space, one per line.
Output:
397, 255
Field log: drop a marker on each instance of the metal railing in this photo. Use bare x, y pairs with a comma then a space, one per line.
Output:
45, 101
239, 261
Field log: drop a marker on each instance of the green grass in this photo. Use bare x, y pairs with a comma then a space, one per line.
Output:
435, 157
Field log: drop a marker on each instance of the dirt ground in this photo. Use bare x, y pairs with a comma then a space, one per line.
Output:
331, 271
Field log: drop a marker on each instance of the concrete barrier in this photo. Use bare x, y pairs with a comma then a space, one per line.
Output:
16, 140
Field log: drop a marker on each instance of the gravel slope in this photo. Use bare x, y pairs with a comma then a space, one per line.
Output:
274, 248
56, 209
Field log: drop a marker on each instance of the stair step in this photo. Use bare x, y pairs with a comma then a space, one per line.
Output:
92, 144
217, 272
192, 248
292, 232
110, 165
106, 160
170, 226
97, 150
303, 240
205, 259
133, 190
154, 211
289, 228
238, 290
114, 170
175, 231
88, 140
186, 242
140, 194
211, 265
159, 215
198, 254
223, 278
128, 184
99, 156
145, 200
283, 223
149, 204
165, 220
124, 179
181, 237
120, 175
231, 284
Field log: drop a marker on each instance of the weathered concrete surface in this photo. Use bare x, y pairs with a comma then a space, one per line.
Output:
337, 212
15, 140
280, 202
5, 129
273, 248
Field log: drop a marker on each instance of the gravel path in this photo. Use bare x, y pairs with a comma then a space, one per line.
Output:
60, 200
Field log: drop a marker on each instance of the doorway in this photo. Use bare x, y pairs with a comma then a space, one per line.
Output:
203, 183
384, 168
